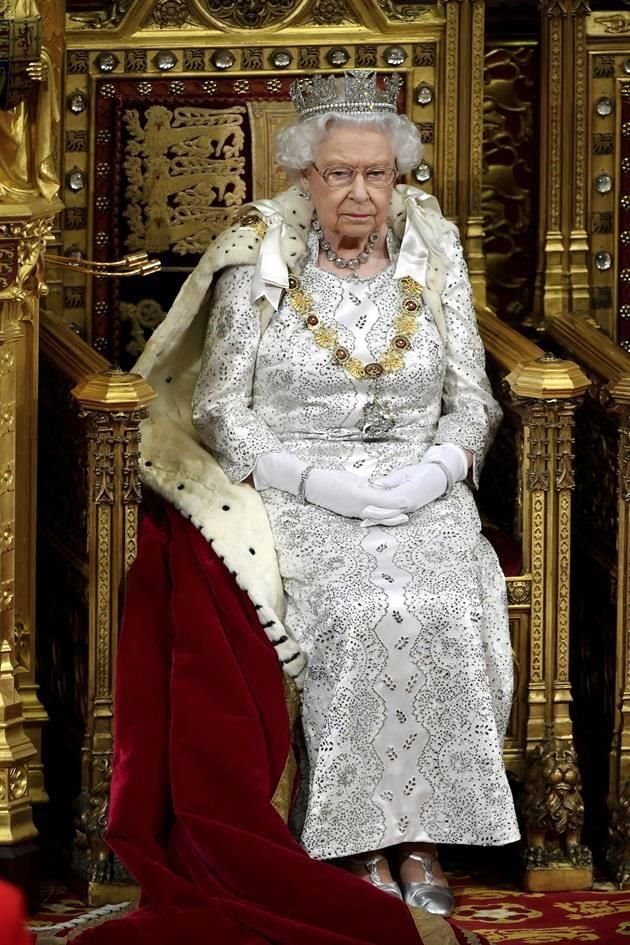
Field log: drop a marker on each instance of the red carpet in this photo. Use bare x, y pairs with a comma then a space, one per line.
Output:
504, 914
497, 912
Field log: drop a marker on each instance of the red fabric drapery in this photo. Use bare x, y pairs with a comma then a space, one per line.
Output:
202, 738
12, 917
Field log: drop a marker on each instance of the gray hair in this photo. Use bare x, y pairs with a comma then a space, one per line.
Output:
297, 145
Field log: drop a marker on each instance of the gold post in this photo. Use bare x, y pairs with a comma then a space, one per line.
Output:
578, 240
546, 394
16, 823
610, 366
473, 65
113, 403
552, 296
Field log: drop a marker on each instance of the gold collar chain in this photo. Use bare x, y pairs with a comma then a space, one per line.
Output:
405, 325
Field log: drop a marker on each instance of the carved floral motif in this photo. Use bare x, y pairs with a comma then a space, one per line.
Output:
250, 14
173, 13
329, 12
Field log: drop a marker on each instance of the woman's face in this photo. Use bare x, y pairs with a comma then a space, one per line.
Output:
349, 214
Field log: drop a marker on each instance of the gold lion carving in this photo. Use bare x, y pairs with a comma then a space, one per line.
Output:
553, 808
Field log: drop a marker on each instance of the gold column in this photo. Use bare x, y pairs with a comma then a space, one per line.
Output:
21, 245
113, 403
552, 289
449, 108
546, 393
610, 367
578, 240
33, 43
471, 135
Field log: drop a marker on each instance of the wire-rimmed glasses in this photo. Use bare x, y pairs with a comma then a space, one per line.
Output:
338, 176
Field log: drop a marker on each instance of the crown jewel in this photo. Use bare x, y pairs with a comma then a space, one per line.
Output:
355, 92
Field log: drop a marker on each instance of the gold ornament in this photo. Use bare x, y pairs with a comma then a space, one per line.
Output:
405, 325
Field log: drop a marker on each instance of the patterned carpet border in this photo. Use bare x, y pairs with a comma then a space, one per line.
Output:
57, 933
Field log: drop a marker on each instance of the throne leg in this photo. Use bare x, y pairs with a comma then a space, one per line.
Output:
618, 852
555, 860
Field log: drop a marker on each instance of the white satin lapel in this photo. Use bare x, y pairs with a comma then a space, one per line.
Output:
413, 256
271, 275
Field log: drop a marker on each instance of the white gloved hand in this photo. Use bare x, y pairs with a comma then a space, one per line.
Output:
351, 495
418, 485
337, 490
278, 471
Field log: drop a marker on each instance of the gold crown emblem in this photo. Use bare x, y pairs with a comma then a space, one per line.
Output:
359, 94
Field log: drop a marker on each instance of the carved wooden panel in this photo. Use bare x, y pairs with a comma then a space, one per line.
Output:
510, 176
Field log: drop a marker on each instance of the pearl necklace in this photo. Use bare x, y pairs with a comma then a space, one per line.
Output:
341, 263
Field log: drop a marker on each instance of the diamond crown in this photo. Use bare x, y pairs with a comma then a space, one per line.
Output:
356, 92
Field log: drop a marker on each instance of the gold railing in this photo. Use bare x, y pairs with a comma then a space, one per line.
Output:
607, 448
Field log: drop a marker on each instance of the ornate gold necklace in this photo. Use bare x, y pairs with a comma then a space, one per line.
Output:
405, 325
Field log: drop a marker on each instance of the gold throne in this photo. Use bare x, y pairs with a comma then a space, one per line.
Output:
140, 79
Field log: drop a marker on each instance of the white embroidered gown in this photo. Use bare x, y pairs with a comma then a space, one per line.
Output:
409, 679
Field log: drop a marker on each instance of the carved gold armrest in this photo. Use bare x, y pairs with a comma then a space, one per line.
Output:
598, 353
609, 366
543, 392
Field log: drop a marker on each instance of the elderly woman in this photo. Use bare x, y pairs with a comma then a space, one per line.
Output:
359, 408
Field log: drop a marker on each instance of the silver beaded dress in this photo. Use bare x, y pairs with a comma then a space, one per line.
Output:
409, 680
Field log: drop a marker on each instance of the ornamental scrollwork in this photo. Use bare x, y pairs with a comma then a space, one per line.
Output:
109, 18
564, 456
143, 317
92, 822
539, 459
250, 14
519, 592
401, 11
21, 245
18, 782
101, 433
554, 7
617, 24
131, 487
22, 645
205, 145
170, 14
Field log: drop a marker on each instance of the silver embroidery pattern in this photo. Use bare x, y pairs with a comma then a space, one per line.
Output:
409, 679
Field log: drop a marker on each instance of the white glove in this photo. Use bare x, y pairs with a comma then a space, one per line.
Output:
345, 493
351, 495
278, 471
418, 485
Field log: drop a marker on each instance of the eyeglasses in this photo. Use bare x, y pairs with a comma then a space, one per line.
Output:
344, 176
